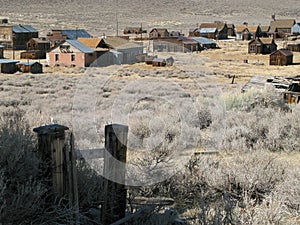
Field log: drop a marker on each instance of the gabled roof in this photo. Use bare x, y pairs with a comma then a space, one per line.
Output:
23, 29
90, 42
267, 41
283, 52
159, 30
219, 26
281, 24
81, 47
245, 28
74, 34
120, 43
264, 28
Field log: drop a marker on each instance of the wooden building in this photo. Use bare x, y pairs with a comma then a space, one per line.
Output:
281, 57
156, 33
71, 53
262, 46
36, 48
221, 29
264, 31
58, 36
134, 30
245, 32
30, 67
294, 47
281, 28
211, 33
16, 37
296, 29
231, 30
8, 66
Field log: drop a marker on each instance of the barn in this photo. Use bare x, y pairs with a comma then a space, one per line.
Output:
281, 57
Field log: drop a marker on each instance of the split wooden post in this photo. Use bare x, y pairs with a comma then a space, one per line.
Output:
114, 204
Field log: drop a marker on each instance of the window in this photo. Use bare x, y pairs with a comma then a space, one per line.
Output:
56, 57
72, 57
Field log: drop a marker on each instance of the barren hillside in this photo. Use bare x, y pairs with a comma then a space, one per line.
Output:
99, 16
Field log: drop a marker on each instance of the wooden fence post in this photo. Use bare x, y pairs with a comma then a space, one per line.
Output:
114, 204
59, 157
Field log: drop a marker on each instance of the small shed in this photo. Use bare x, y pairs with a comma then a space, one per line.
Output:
1, 51
30, 67
281, 57
159, 62
8, 66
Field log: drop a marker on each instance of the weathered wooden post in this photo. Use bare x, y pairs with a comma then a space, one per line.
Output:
114, 204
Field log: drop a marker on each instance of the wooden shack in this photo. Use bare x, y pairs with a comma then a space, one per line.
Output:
37, 48
294, 47
281, 57
30, 67
159, 33
8, 66
262, 46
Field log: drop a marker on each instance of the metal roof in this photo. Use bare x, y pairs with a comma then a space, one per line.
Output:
77, 44
23, 29
207, 30
74, 34
2, 61
27, 63
202, 40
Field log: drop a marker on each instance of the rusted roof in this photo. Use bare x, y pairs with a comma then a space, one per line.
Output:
245, 28
219, 26
90, 42
120, 43
264, 28
283, 52
281, 24
267, 41
241, 28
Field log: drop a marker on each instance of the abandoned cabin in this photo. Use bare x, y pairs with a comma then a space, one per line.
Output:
245, 32
159, 62
296, 29
281, 28
156, 33
8, 66
293, 47
71, 53
16, 37
281, 57
36, 48
58, 36
207, 30
262, 46
30, 67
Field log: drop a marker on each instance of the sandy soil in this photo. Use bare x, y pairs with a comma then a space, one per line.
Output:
100, 16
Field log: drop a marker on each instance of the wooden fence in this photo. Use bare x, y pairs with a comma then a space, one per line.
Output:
57, 149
